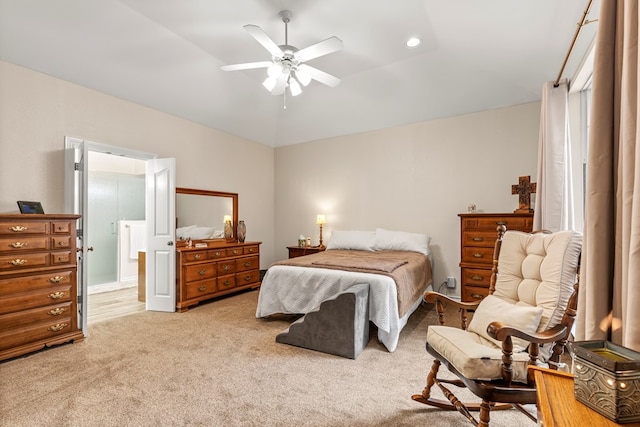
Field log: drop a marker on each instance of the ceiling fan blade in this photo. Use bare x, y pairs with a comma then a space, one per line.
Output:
262, 38
246, 66
320, 76
324, 47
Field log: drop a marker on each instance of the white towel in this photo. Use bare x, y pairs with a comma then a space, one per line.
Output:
137, 239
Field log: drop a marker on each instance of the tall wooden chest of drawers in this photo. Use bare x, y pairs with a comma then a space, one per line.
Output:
216, 270
38, 287
478, 234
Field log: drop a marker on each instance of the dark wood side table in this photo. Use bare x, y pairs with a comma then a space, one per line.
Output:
296, 251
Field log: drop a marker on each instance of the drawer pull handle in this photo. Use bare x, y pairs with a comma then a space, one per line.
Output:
61, 243
218, 254
18, 228
227, 282
226, 267
56, 279
501, 223
477, 255
476, 296
251, 250
477, 239
197, 256
57, 327
476, 277
57, 311
18, 261
18, 245
247, 264
247, 278
202, 288
236, 252
57, 295
202, 272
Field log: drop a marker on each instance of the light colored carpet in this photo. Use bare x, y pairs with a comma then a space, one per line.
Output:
217, 365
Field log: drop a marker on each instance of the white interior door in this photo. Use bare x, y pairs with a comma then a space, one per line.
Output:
161, 225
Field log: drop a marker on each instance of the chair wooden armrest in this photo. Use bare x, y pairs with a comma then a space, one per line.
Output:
498, 331
442, 300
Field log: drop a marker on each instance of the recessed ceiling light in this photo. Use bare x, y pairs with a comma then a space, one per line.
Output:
413, 42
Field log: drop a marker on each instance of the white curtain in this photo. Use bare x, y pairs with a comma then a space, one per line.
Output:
554, 196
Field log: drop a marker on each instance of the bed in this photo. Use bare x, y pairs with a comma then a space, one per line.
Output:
397, 266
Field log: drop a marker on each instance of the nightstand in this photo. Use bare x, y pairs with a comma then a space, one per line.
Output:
296, 251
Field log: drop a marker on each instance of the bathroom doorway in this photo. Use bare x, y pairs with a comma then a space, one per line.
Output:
116, 216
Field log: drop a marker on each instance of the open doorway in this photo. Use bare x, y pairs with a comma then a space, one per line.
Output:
116, 225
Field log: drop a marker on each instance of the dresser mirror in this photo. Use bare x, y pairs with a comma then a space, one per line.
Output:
200, 214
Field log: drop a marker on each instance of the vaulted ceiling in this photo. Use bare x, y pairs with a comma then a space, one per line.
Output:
166, 54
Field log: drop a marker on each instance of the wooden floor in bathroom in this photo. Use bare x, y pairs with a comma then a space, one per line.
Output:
113, 304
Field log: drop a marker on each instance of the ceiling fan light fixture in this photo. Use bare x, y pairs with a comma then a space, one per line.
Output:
270, 83
275, 70
303, 77
294, 87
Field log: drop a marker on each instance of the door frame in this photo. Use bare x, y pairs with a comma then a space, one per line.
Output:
76, 203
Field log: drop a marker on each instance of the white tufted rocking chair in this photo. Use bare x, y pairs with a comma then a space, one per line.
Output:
526, 319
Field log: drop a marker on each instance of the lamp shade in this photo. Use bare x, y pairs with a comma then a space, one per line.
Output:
321, 219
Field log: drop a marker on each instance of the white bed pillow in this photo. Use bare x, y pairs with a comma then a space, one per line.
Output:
352, 239
201, 233
494, 309
387, 240
183, 232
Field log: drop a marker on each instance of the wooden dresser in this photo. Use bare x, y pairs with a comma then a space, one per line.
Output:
38, 287
219, 269
478, 234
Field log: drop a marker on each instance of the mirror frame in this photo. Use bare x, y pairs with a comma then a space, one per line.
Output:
234, 200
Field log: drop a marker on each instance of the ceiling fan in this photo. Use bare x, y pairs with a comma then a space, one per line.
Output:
288, 68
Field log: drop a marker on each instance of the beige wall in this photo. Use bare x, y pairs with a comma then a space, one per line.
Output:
37, 112
415, 178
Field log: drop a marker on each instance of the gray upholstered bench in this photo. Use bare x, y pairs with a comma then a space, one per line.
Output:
339, 326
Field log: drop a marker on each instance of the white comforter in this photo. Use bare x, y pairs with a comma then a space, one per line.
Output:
298, 290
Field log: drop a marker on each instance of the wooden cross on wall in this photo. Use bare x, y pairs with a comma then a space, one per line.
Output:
523, 189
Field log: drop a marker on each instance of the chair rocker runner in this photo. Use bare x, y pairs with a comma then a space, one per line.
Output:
525, 320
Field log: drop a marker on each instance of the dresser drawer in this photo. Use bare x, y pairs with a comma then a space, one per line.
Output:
201, 288
249, 263
23, 243
235, 251
198, 272
226, 267
474, 293
226, 282
61, 227
48, 280
41, 297
247, 277
35, 315
476, 277
217, 253
252, 250
34, 332
21, 261
23, 227
195, 256
491, 223
479, 238
478, 255
61, 258
60, 242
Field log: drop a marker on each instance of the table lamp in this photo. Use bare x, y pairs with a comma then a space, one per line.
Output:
320, 220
